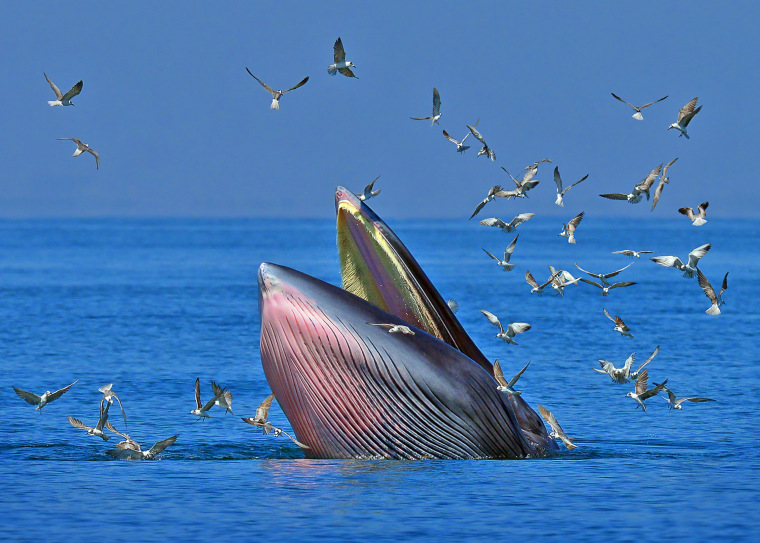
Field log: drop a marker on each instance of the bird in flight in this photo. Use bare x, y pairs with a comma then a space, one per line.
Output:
368, 192
44, 399
685, 115
527, 183
557, 432
536, 288
642, 393
461, 147
98, 429
81, 148
260, 420
716, 299
624, 374
276, 94
436, 110
638, 109
504, 386
675, 403
512, 330
109, 395
494, 192
604, 276
505, 265
129, 449
641, 188
339, 55
486, 150
698, 218
223, 397
568, 230
201, 410
630, 253
690, 268
63, 99
511, 225
620, 326
560, 191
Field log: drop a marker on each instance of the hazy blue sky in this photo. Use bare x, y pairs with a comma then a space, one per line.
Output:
183, 130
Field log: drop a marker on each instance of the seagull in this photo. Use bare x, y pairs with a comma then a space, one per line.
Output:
276, 95
81, 148
716, 299
260, 420
661, 185
532, 169
109, 395
685, 115
620, 326
436, 110
461, 147
525, 184
698, 218
128, 442
486, 150
339, 54
504, 386
607, 288
395, 328
98, 430
560, 192
603, 276
538, 289
689, 269
557, 432
512, 330
568, 230
46, 398
642, 393
505, 265
675, 403
511, 225
368, 192
223, 397
634, 197
637, 115
493, 192
630, 253
63, 99
624, 374
201, 411
560, 279
453, 305
131, 450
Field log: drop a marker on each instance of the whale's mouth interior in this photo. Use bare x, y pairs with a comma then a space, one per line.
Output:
372, 270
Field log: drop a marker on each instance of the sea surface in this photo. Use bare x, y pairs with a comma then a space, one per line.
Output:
150, 305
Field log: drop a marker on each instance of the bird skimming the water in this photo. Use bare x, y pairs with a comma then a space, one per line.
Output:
260, 420
675, 403
98, 429
557, 432
109, 395
46, 398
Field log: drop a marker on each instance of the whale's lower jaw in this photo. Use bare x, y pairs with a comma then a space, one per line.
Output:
352, 390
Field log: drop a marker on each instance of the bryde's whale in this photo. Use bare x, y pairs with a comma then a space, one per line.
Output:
353, 390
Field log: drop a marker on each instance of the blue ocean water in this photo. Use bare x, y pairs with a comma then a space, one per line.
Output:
151, 305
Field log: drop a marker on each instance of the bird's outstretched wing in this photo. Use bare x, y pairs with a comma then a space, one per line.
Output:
301, 84
339, 54
28, 397
267, 87
57, 92
58, 393
76, 89
688, 110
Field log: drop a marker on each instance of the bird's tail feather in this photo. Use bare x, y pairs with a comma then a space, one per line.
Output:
559, 201
332, 69
638, 116
714, 310
699, 222
53, 103
275, 104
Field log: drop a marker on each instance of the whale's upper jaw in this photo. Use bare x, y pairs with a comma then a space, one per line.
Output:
377, 266
353, 390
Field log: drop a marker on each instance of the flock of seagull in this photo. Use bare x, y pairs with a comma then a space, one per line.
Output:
128, 449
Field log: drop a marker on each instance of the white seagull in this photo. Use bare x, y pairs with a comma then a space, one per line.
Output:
607, 288
511, 225
494, 192
436, 110
634, 197
63, 99
98, 430
560, 191
630, 253
557, 432
675, 403
637, 115
486, 150
201, 410
453, 305
461, 147
620, 326
46, 398
685, 115
560, 279
536, 288
512, 330
109, 395
276, 95
661, 185
394, 328
698, 218
131, 450
339, 55
505, 265
568, 230
260, 420
504, 386
532, 169
368, 192
522, 187
624, 374
641, 393
716, 299
689, 269
81, 148
223, 397
604, 276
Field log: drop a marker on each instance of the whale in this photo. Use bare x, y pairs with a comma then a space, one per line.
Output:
351, 389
